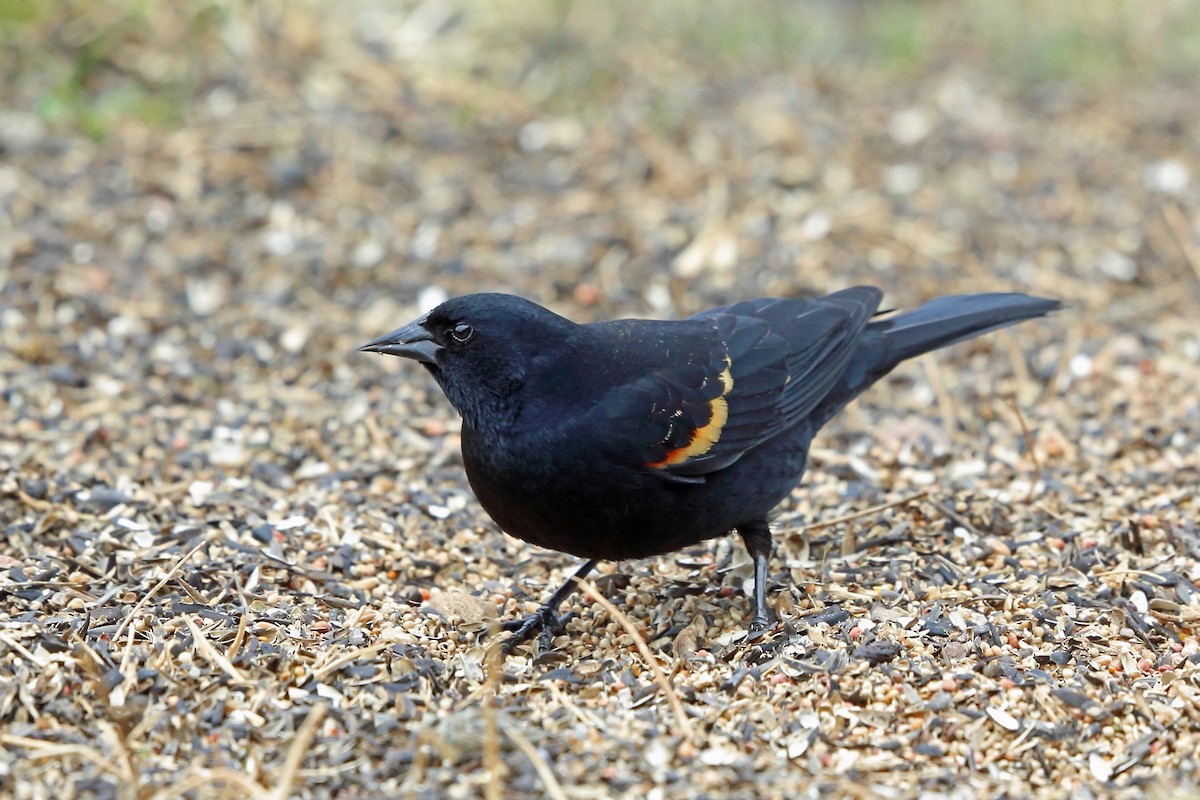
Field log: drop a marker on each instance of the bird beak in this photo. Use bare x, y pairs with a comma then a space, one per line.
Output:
411, 341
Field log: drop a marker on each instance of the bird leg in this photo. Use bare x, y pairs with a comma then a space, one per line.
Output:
757, 537
546, 618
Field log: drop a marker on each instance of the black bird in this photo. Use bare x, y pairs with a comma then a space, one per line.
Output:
632, 438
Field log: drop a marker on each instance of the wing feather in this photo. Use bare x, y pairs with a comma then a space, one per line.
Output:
764, 365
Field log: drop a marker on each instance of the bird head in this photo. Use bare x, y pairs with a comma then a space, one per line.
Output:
480, 349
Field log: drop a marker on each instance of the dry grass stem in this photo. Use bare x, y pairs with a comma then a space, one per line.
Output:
681, 719
494, 788
298, 750
213, 654
141, 603
1184, 236
554, 789
1031, 448
866, 512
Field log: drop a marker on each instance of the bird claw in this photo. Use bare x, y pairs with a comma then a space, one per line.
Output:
758, 628
545, 621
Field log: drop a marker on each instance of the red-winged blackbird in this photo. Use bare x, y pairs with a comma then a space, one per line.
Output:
623, 439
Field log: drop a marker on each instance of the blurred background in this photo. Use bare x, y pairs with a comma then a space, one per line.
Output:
205, 205
648, 158
200, 200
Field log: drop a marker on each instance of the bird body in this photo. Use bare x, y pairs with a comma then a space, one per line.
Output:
632, 438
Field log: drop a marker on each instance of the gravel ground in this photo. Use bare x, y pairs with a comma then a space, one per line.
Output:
241, 559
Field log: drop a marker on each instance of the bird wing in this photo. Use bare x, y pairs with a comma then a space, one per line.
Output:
765, 365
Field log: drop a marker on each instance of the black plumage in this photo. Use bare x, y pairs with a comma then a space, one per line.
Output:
631, 438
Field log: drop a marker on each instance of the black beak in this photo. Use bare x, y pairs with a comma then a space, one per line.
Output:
411, 341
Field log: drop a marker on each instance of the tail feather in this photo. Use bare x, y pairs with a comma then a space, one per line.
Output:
938, 323
946, 320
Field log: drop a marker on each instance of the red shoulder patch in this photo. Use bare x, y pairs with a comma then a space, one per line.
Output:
702, 436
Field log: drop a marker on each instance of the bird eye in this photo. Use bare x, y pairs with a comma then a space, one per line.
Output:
462, 333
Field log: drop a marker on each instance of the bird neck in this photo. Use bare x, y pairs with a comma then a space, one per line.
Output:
485, 408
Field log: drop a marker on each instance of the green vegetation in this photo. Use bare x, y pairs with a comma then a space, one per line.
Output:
1023, 42
90, 64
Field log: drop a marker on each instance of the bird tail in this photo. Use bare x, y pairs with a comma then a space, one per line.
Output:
951, 319
940, 322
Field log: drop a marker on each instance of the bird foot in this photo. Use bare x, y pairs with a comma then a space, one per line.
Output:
545, 620
758, 628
